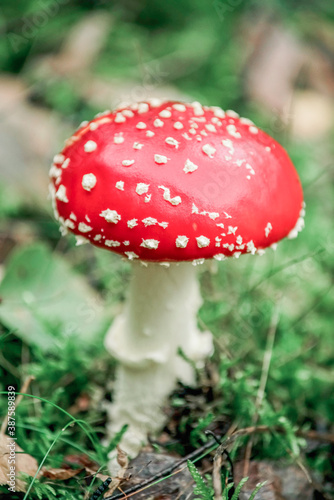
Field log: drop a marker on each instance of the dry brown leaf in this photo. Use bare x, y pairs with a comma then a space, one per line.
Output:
60, 474
23, 462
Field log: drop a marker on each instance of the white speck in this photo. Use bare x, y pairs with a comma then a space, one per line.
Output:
208, 150
147, 198
58, 158
192, 131
149, 133
88, 181
137, 145
267, 148
97, 237
131, 255
61, 194
90, 146
55, 172
141, 125
246, 121
248, 177
174, 201
197, 107
126, 243
132, 223
164, 264
93, 126
155, 102
150, 221
232, 230
227, 215
236, 255
239, 162
83, 124
231, 129
267, 229
212, 215
112, 243
172, 142
197, 262
119, 118
80, 240
253, 130
216, 120
298, 227
274, 246
239, 240
87, 218
120, 185
229, 246
181, 241
218, 112
142, 188
158, 123
178, 125
194, 209
210, 127
189, 166
127, 163
228, 144
165, 113
150, 244
220, 224
143, 107
118, 138
251, 247
73, 216
202, 241
186, 136
260, 251
250, 168
128, 113
83, 228
110, 215
69, 223
179, 107
163, 224
219, 256
160, 159
66, 162
232, 114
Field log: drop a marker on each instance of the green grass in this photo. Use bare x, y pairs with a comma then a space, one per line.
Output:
203, 58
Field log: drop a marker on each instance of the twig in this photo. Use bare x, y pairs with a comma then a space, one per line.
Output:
262, 386
216, 476
19, 398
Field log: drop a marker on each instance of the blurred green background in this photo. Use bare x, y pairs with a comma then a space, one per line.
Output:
61, 62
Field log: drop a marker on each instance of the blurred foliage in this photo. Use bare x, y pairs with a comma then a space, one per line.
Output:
196, 47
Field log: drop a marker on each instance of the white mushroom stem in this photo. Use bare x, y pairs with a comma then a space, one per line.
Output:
159, 318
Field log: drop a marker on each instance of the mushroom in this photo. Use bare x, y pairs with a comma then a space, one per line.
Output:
168, 185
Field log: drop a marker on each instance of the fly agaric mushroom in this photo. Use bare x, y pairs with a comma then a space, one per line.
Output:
168, 185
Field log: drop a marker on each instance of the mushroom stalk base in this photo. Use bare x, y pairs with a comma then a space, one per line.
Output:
159, 318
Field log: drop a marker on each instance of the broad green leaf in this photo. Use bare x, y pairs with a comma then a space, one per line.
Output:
44, 299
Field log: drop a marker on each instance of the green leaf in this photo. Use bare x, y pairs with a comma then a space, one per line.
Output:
258, 487
43, 299
238, 488
201, 488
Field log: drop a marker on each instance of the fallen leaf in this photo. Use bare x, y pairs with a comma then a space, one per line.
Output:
23, 462
60, 474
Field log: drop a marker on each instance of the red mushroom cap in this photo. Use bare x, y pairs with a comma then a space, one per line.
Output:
167, 181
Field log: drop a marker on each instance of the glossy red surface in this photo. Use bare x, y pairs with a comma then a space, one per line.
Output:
244, 195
